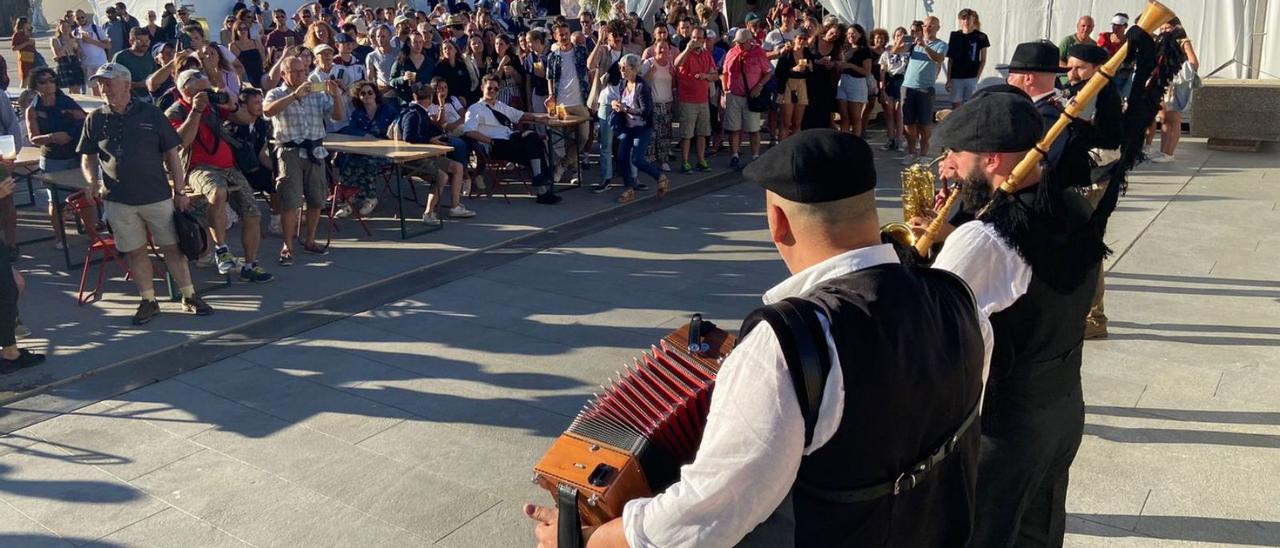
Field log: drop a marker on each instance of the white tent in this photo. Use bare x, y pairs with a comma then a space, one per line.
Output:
212, 10
1221, 30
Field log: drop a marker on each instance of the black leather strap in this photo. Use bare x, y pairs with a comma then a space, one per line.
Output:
569, 532
905, 481
803, 341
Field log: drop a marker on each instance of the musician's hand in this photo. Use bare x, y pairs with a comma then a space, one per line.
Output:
545, 532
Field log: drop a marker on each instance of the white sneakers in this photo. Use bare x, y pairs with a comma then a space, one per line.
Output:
461, 212
1160, 158
430, 219
368, 207
910, 159
343, 211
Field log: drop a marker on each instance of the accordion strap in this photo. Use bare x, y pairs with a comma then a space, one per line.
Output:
569, 523
803, 341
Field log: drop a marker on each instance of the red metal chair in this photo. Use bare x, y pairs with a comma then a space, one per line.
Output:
99, 244
338, 195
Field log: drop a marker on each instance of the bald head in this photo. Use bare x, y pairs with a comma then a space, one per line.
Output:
807, 234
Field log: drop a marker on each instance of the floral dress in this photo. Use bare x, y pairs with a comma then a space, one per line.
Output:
362, 171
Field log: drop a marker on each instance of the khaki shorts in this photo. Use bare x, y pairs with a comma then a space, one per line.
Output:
428, 168
695, 119
130, 223
205, 181
797, 93
737, 117
300, 178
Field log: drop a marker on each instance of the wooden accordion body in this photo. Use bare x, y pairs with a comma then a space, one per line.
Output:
630, 440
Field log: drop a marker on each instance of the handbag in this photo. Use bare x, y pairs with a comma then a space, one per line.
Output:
193, 239
760, 103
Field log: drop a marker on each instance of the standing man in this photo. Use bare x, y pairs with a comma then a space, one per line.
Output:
168, 23
94, 44
212, 171
695, 72
966, 57
746, 72
131, 141
139, 61
380, 61
777, 455
1083, 35
280, 37
1111, 41
1031, 261
117, 32
565, 68
298, 115
925, 55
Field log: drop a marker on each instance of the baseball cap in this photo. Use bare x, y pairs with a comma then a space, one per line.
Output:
743, 36
187, 76
112, 71
320, 48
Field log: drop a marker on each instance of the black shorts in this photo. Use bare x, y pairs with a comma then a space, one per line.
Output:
260, 180
893, 86
917, 107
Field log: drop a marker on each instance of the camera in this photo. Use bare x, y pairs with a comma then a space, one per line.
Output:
218, 97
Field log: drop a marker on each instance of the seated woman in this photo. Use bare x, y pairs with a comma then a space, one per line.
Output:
446, 112
370, 116
54, 122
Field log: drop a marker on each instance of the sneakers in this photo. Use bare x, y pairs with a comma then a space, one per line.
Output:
735, 163
205, 261
430, 219
891, 145
314, 249
600, 187
548, 198
461, 212
255, 274
368, 206
195, 305
1158, 157
147, 311
909, 159
704, 166
275, 227
686, 168
641, 187
343, 211
226, 262
666, 168
21, 331
25, 359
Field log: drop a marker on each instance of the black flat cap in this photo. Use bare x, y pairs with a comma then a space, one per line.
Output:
1038, 56
1089, 53
994, 120
816, 165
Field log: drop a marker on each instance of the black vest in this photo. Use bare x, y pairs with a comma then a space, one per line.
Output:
1039, 338
911, 356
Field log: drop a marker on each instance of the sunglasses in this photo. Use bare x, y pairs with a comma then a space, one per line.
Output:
367, 93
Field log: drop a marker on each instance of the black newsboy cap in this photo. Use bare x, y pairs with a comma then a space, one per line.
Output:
1089, 53
816, 165
992, 121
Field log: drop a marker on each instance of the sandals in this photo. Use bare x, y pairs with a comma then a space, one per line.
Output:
663, 184
627, 197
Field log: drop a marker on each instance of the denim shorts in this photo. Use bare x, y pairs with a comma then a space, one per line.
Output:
962, 89
852, 89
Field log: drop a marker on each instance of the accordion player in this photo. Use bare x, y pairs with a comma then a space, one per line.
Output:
845, 413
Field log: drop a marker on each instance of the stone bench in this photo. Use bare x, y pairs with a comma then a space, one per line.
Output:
1236, 114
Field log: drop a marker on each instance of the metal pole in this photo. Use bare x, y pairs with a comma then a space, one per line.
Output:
1258, 38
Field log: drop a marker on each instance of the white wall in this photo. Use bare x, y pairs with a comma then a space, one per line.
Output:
1219, 29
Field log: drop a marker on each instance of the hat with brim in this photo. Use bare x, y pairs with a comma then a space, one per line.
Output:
997, 119
1038, 56
112, 71
322, 48
742, 36
453, 20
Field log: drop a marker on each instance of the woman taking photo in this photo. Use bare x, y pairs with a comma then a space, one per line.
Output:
824, 57
855, 67
54, 123
793, 68
250, 52
66, 55
632, 121
219, 71
893, 70
370, 117
413, 65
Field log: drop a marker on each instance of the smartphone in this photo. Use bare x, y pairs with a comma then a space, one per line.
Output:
317, 86
290, 41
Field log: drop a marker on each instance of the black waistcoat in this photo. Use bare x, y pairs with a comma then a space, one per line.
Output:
911, 356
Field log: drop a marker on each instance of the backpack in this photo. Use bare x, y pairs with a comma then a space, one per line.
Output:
193, 239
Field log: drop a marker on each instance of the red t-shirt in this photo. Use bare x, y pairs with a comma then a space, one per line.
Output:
688, 88
207, 149
1108, 42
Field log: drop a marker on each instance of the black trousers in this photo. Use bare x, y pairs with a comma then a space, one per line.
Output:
1023, 473
522, 148
8, 296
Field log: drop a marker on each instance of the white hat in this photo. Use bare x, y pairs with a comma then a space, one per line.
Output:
743, 36
322, 47
112, 71
1120, 19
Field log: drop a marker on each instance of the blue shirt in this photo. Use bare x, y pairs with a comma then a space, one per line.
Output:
922, 72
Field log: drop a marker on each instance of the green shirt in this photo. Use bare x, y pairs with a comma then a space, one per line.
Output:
140, 67
1065, 44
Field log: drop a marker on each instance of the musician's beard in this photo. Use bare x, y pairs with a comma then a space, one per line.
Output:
975, 191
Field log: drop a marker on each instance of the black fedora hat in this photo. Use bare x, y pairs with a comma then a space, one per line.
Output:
1038, 56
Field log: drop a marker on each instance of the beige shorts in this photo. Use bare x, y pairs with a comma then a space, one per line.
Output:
130, 224
737, 117
796, 93
205, 181
301, 179
695, 119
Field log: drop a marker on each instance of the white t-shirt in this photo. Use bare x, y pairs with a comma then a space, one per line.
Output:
90, 54
776, 38
659, 79
452, 113
568, 89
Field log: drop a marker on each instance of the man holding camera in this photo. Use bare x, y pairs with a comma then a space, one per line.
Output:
926, 54
212, 171
298, 109
695, 71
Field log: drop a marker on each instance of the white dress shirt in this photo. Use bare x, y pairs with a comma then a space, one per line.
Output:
754, 438
480, 118
995, 272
